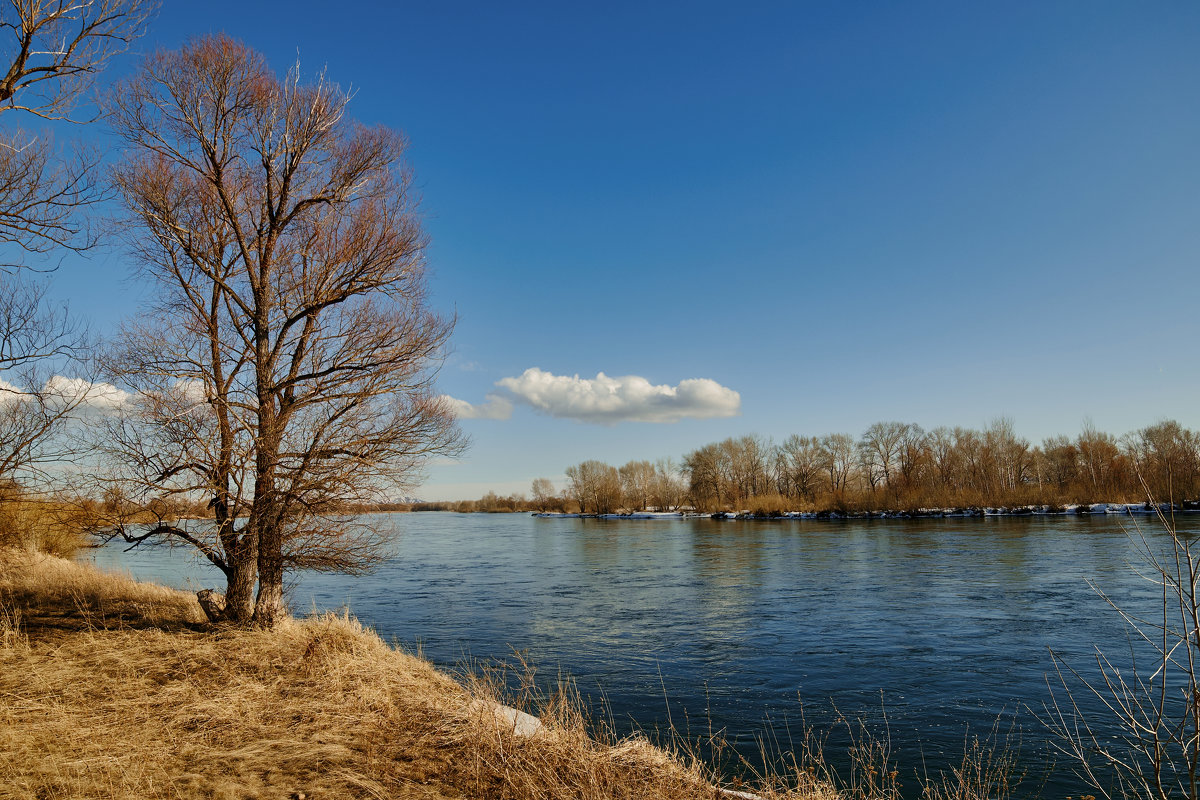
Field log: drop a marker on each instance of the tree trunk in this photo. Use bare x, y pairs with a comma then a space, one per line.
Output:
269, 608
239, 594
241, 561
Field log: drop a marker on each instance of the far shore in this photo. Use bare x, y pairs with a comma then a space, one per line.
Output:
1125, 509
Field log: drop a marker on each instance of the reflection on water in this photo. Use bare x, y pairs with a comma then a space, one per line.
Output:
947, 622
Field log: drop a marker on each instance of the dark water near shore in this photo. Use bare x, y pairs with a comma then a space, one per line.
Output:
944, 624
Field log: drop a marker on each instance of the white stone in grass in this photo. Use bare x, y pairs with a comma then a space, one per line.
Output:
510, 719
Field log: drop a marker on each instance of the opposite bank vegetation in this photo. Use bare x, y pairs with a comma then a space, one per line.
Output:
893, 468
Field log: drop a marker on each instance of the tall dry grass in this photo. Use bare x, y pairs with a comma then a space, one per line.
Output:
69, 595
49, 525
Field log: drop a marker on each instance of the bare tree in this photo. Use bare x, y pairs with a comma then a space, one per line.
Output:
880, 447
749, 465
288, 255
669, 490
53, 51
596, 486
35, 337
913, 457
971, 461
804, 462
50, 53
1101, 460
944, 457
637, 481
1060, 462
1007, 456
1167, 456
707, 469
838, 449
544, 495
184, 435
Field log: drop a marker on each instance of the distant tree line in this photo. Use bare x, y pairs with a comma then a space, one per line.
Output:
490, 503
593, 485
892, 466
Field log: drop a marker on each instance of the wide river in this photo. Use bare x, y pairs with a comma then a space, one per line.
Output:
942, 625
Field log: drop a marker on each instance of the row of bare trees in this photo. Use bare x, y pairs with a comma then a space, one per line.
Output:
283, 369
897, 465
594, 487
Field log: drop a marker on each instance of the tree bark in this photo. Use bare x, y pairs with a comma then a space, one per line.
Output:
239, 595
268, 606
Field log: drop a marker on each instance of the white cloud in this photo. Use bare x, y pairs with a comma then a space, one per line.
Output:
629, 398
493, 407
98, 395
67, 391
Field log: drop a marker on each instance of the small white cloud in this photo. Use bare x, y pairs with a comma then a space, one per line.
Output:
630, 398
98, 395
493, 407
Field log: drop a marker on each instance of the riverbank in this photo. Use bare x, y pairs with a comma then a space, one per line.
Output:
113, 688
1120, 509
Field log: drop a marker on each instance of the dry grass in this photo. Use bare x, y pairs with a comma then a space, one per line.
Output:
43, 524
772, 505
64, 595
110, 688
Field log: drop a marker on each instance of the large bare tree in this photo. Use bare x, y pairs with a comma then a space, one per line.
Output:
289, 370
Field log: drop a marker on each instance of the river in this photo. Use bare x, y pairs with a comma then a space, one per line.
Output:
943, 626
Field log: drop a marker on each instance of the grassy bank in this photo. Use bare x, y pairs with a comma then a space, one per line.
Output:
112, 688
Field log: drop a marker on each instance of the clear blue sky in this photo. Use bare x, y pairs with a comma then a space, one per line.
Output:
843, 212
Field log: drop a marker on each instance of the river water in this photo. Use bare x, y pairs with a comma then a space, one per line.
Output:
943, 626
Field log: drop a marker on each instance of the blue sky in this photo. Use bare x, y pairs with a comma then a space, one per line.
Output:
844, 212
